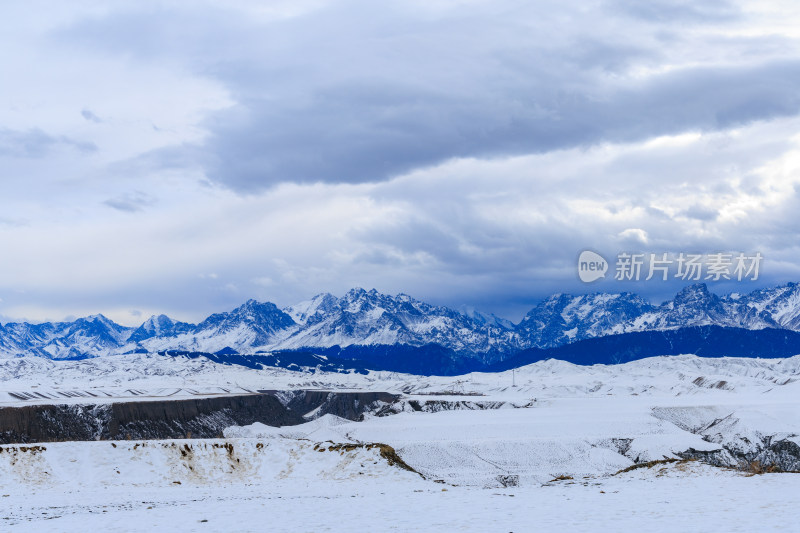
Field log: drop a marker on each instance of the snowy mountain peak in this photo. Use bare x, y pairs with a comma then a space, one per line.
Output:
251, 324
355, 293
776, 306
358, 300
486, 319
159, 326
251, 312
368, 317
564, 318
100, 322
312, 310
695, 294
372, 318
97, 323
694, 305
155, 322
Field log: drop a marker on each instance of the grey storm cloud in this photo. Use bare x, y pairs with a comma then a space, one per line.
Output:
367, 132
699, 212
685, 11
90, 116
35, 143
461, 151
359, 93
131, 202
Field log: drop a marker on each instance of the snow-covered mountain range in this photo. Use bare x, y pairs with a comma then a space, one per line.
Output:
369, 318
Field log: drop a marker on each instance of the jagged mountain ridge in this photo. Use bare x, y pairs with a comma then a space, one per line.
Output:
564, 318
159, 326
369, 318
93, 335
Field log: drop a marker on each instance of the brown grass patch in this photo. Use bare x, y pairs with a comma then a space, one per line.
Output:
385, 451
651, 464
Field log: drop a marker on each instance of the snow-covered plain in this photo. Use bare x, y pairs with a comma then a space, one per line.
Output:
682, 498
489, 451
140, 375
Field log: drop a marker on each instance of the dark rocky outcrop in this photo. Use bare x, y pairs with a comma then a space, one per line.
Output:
168, 419
781, 455
349, 405
48, 423
156, 419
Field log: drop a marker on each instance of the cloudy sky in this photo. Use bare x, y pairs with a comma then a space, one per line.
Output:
182, 157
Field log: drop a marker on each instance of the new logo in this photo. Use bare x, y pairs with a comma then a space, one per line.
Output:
591, 266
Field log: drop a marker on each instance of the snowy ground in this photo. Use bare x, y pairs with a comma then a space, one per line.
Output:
584, 423
139, 376
685, 498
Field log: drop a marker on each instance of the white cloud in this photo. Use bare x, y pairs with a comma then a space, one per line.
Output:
634, 236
